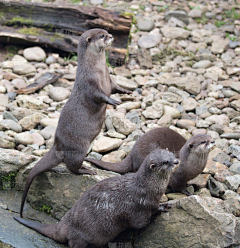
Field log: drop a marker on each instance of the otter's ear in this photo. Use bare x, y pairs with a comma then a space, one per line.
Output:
88, 39
190, 145
152, 166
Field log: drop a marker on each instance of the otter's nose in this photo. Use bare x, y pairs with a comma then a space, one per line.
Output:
176, 161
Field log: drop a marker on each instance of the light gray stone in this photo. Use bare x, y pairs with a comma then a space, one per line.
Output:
150, 40
122, 124
34, 54
8, 124
233, 182
24, 138
175, 33
59, 93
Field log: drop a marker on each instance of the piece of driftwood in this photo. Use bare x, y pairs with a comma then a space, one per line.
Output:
45, 79
59, 26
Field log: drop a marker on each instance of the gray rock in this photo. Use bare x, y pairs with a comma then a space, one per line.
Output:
96, 2
105, 144
129, 105
127, 146
222, 158
189, 104
235, 150
175, 33
6, 141
149, 40
189, 83
216, 188
125, 83
235, 86
20, 113
48, 132
34, 54
24, 69
235, 167
229, 194
179, 14
202, 64
154, 112
62, 199
114, 134
133, 117
31, 121
202, 123
234, 205
9, 115
30, 102
24, 138
234, 44
122, 124
145, 25
95, 155
230, 135
195, 13
168, 230
59, 93
219, 46
173, 112
13, 161
50, 60
235, 104
171, 97
3, 100
233, 182
8, 124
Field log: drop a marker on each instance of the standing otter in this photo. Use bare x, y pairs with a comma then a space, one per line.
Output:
82, 117
193, 155
97, 217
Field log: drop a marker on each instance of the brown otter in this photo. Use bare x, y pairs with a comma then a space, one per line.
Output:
97, 217
193, 155
82, 117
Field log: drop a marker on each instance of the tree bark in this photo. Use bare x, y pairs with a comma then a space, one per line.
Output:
59, 26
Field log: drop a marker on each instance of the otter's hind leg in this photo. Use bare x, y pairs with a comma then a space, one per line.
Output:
74, 160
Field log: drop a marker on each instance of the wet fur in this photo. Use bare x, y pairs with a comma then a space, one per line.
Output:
191, 164
82, 117
97, 217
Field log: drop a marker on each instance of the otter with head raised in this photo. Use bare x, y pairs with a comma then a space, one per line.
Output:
97, 217
193, 155
82, 117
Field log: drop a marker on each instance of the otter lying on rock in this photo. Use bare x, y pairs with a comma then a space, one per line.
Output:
113, 205
192, 153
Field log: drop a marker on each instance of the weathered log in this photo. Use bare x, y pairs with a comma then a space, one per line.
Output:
59, 26
44, 80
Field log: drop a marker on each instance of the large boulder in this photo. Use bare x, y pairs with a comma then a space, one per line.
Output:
58, 188
192, 222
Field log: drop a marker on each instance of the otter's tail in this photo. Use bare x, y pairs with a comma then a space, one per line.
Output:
47, 162
50, 231
121, 167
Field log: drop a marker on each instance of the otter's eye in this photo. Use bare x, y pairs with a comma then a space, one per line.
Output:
101, 36
203, 142
165, 162
152, 166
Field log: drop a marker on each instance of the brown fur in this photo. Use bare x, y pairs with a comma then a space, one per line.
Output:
97, 217
191, 164
82, 117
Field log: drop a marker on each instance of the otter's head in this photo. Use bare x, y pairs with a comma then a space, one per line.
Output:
161, 162
200, 143
95, 40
